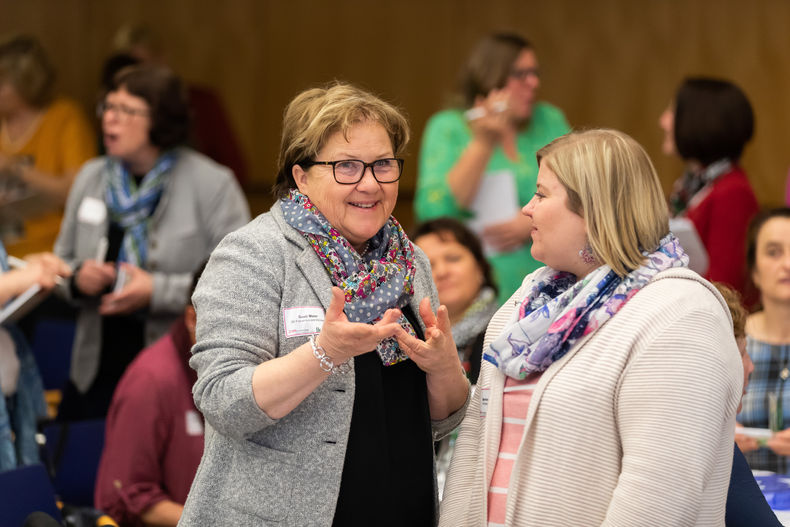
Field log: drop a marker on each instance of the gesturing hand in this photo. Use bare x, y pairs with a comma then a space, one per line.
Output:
343, 340
437, 354
135, 294
93, 278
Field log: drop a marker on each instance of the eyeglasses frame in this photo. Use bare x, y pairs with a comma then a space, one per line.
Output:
121, 109
309, 163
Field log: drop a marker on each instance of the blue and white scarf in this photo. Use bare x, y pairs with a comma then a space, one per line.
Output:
559, 309
131, 206
3, 258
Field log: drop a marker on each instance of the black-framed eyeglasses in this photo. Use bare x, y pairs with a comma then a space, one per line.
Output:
351, 171
523, 73
120, 109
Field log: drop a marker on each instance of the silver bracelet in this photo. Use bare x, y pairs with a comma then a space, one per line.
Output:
324, 361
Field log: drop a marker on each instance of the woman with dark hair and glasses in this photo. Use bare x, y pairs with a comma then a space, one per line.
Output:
138, 222
483, 151
708, 125
315, 414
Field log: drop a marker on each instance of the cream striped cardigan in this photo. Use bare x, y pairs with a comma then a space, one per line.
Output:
633, 426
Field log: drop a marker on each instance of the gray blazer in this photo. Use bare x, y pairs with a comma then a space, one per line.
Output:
201, 203
257, 470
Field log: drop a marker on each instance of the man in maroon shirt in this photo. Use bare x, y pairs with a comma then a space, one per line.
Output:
154, 435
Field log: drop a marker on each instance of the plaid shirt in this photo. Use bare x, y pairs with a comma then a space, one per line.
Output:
771, 364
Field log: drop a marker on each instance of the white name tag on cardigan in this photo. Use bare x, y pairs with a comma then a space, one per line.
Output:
302, 320
485, 394
92, 211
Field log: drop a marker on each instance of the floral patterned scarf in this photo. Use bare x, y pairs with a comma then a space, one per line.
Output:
381, 279
558, 310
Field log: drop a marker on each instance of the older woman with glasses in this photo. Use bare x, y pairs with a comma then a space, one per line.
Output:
477, 161
315, 415
138, 222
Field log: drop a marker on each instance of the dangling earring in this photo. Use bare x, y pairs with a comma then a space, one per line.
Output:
586, 254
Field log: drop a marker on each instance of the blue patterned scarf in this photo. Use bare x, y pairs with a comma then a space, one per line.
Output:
558, 310
131, 206
381, 279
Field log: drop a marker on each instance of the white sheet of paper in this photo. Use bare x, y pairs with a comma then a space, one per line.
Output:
496, 202
757, 433
684, 229
22, 304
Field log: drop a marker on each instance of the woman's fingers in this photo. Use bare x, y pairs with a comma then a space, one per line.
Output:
426, 313
408, 343
336, 306
443, 320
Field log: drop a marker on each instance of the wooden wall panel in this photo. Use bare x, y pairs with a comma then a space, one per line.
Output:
609, 63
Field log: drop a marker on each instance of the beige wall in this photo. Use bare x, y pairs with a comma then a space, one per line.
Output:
609, 63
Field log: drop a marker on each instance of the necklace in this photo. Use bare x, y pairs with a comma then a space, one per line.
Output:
365, 248
13, 145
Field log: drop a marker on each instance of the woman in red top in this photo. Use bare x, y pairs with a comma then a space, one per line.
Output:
707, 125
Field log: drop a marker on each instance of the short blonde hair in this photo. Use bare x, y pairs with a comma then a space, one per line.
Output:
612, 184
313, 116
25, 64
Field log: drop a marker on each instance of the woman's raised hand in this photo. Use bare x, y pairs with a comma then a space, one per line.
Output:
489, 118
491, 122
343, 340
437, 354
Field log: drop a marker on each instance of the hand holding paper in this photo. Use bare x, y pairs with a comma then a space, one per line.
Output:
135, 289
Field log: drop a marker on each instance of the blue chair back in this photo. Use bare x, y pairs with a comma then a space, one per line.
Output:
23, 491
51, 344
74, 450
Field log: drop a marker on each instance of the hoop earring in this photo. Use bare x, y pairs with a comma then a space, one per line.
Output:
586, 254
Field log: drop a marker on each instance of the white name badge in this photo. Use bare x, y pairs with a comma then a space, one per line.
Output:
92, 211
485, 394
303, 320
194, 423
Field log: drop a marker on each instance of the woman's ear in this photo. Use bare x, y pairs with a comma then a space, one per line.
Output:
300, 178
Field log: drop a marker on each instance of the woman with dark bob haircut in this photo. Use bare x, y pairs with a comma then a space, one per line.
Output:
708, 125
138, 221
